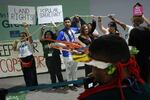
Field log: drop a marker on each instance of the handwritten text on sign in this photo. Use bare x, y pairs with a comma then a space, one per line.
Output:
10, 63
20, 14
49, 14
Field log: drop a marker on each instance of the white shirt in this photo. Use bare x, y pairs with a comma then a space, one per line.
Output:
128, 30
25, 49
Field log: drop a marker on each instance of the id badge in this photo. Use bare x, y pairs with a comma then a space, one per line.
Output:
49, 54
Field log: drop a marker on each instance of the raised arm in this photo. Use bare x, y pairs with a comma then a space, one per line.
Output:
26, 29
101, 27
147, 21
41, 36
93, 25
14, 45
123, 25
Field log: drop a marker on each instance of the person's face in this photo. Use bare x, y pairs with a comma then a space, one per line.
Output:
111, 30
67, 23
86, 30
137, 21
23, 36
48, 35
89, 26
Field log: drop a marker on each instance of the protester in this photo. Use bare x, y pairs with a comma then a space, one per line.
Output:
86, 38
111, 29
27, 61
92, 27
137, 20
68, 34
139, 37
115, 72
51, 55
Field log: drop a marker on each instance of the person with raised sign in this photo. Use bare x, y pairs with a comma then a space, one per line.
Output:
51, 55
27, 61
138, 19
111, 29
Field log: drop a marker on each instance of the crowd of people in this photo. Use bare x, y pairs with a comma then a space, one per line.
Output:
109, 53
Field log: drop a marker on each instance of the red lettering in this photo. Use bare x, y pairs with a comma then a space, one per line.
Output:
16, 61
2, 63
40, 61
9, 65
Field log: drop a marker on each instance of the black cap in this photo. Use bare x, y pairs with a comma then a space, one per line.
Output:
109, 48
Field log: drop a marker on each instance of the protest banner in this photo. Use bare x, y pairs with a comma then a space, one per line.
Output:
10, 63
20, 14
49, 14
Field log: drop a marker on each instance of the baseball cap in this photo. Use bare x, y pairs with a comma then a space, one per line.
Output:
98, 64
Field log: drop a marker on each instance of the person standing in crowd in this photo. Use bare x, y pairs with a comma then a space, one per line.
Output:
86, 38
92, 27
136, 20
111, 29
68, 34
139, 37
51, 55
115, 72
27, 61
86, 32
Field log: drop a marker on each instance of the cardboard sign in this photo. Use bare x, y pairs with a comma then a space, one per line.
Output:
20, 14
49, 14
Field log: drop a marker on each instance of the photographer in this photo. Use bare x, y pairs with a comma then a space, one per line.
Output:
115, 71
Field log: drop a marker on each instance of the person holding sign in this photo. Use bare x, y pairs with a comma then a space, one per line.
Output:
51, 55
27, 61
138, 19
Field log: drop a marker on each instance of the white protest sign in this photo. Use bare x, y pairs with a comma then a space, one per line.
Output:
49, 14
20, 14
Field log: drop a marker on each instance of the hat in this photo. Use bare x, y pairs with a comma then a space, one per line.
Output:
109, 48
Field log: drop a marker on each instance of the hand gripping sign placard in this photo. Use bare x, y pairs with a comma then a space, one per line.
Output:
49, 14
20, 14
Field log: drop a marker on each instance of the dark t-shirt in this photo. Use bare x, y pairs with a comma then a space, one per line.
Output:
46, 49
140, 37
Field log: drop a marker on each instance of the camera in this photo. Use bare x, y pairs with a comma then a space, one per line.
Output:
89, 82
